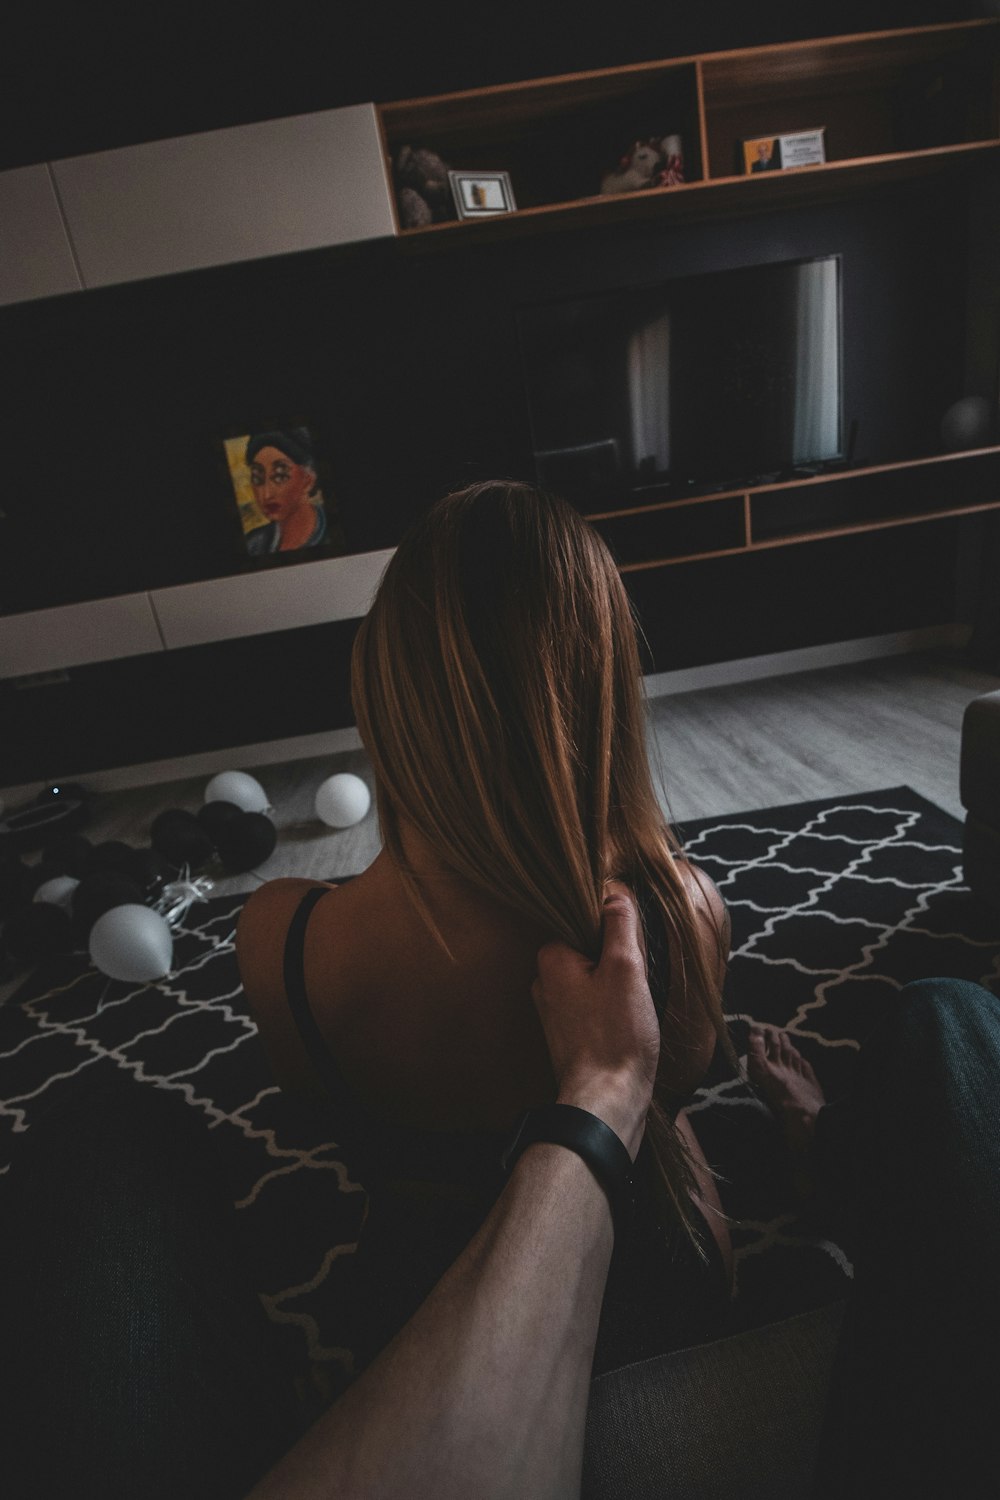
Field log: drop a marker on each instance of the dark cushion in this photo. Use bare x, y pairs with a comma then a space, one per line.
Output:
980, 768
981, 858
736, 1419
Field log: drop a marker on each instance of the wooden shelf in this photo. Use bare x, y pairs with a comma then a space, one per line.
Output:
894, 105
906, 493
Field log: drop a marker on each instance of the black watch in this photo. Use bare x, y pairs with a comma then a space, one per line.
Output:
590, 1138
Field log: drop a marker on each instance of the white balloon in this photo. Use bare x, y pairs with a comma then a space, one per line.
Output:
131, 942
342, 800
240, 789
57, 892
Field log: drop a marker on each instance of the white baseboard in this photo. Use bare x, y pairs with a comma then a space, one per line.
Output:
808, 659
240, 757
336, 741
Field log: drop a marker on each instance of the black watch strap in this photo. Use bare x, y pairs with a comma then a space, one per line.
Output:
590, 1138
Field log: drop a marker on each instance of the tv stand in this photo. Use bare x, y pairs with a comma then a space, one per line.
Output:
805, 507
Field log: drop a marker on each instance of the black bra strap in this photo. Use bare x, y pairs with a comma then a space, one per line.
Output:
295, 989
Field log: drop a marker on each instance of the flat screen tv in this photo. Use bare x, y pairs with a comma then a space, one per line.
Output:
707, 381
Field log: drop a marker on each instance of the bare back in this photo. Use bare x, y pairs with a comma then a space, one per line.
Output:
424, 1039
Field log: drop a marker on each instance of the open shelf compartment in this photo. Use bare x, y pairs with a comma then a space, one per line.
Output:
874, 95
559, 137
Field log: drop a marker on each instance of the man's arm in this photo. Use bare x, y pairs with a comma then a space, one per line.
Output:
484, 1392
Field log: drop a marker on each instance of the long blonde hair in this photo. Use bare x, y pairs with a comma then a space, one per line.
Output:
497, 689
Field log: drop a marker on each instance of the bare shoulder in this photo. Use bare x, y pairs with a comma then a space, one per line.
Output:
260, 950
263, 927
709, 907
689, 1038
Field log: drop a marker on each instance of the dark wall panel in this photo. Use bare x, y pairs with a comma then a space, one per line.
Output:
406, 363
176, 703
408, 367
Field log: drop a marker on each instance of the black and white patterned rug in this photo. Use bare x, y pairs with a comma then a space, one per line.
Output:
835, 904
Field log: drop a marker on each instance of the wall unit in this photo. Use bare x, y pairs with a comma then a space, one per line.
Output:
36, 257
73, 635
843, 503
211, 199
194, 614
894, 105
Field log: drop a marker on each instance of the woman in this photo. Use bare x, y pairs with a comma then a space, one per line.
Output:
283, 478
496, 685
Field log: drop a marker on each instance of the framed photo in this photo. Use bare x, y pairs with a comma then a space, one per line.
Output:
478, 195
771, 153
281, 492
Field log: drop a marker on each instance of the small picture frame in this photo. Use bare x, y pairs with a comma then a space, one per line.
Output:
481, 195
775, 153
281, 491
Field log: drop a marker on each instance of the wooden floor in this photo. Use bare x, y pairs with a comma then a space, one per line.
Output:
817, 734
720, 750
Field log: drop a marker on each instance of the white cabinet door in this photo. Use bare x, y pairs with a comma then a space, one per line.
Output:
221, 609
226, 195
35, 255
71, 635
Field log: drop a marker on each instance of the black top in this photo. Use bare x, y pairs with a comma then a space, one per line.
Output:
430, 1190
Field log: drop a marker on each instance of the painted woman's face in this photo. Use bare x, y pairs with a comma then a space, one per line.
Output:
279, 484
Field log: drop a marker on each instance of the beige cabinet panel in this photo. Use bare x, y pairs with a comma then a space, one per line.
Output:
226, 195
71, 635
339, 588
35, 255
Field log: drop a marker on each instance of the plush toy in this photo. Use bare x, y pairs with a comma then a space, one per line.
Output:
636, 169
423, 192
652, 163
671, 172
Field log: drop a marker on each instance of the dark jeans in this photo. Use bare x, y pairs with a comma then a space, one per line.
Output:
915, 1403
140, 1365
139, 1362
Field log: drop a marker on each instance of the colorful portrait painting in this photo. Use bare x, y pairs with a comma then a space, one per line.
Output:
275, 475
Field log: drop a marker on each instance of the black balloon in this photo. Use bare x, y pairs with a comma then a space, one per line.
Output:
66, 856
33, 932
15, 879
215, 815
112, 855
41, 823
180, 838
98, 893
150, 871
246, 841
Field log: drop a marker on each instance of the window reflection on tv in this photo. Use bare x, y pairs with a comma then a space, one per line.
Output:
729, 377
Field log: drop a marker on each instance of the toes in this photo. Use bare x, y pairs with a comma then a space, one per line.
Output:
767, 1045
790, 1054
808, 1071
756, 1057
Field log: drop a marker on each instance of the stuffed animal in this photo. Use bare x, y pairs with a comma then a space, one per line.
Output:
423, 192
652, 163
671, 172
636, 169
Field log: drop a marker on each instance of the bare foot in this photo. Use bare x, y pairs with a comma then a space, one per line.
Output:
791, 1091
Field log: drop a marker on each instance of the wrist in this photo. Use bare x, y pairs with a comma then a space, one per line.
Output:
591, 1138
620, 1100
